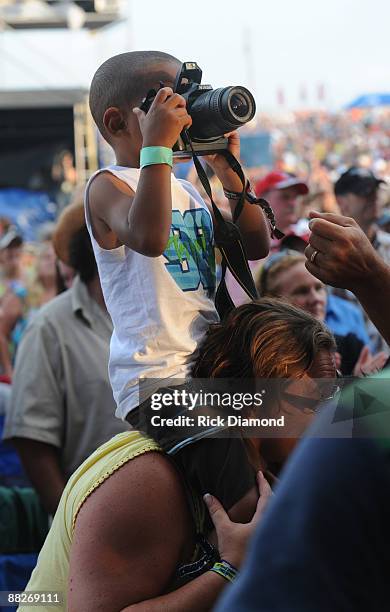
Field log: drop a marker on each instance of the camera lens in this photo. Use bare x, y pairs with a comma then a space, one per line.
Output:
215, 112
239, 105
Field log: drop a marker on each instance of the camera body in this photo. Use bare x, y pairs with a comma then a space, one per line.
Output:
214, 112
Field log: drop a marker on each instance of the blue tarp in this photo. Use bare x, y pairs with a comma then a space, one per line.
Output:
256, 150
11, 470
15, 572
27, 209
370, 101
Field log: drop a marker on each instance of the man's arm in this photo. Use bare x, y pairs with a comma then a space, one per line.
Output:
141, 221
42, 466
375, 298
35, 418
252, 222
347, 259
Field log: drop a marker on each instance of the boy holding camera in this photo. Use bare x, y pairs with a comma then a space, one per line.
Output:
153, 241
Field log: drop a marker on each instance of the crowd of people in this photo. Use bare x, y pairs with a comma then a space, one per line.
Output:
116, 303
319, 146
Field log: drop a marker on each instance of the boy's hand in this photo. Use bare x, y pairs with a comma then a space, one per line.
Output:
219, 164
217, 161
166, 118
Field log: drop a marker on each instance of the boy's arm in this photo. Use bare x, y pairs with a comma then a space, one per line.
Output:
252, 222
141, 221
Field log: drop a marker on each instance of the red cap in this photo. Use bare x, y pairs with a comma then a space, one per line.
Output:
280, 180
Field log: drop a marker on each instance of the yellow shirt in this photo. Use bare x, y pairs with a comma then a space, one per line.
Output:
51, 572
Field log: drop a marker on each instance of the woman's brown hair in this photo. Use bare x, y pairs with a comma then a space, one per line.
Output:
266, 338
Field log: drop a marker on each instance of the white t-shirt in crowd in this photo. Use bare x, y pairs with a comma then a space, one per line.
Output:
161, 307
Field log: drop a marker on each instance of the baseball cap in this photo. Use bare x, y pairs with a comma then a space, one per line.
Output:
280, 180
359, 181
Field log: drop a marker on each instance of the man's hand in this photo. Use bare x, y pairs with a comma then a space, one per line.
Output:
166, 118
340, 254
345, 257
233, 537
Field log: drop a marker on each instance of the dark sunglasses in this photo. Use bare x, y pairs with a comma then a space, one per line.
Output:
329, 392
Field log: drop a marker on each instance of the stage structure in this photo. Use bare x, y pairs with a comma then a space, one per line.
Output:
37, 128
49, 14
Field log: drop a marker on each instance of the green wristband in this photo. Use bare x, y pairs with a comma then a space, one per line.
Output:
156, 155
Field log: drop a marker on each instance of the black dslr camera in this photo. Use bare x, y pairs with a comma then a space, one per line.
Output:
214, 112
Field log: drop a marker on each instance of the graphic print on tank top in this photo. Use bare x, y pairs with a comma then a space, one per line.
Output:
190, 251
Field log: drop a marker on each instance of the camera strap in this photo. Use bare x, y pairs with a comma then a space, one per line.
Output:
227, 235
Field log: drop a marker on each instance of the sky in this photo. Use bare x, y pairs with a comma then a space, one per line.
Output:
343, 45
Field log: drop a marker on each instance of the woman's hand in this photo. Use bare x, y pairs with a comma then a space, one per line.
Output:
233, 537
369, 364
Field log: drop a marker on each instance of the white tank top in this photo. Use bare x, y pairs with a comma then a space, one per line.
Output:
160, 307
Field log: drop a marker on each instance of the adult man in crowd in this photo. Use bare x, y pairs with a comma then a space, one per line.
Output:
62, 406
356, 193
282, 190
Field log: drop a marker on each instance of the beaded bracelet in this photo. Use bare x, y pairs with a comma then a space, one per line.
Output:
225, 569
234, 195
250, 196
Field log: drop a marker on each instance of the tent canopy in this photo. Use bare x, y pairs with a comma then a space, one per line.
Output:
370, 101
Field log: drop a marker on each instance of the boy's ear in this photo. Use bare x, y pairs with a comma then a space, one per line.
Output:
113, 120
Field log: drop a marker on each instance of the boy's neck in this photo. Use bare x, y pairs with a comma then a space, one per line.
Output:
127, 158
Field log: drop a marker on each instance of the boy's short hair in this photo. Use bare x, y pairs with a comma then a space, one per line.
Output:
125, 79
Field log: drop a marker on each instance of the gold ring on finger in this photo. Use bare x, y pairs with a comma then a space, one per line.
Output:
313, 256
